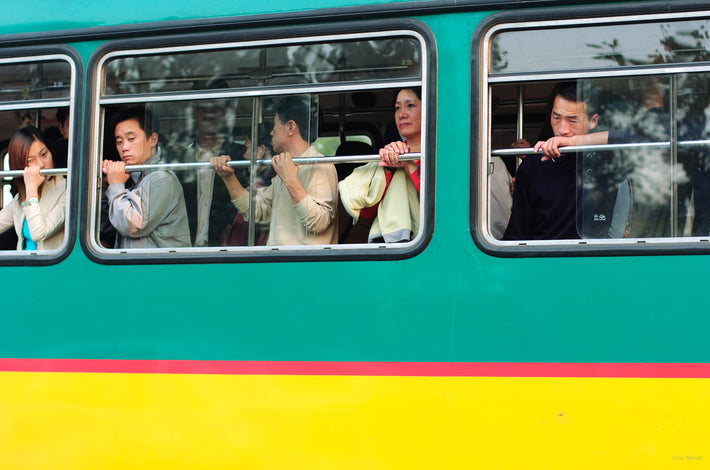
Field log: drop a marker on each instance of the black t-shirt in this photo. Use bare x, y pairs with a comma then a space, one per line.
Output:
544, 200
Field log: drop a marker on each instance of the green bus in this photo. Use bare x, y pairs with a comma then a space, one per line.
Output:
457, 344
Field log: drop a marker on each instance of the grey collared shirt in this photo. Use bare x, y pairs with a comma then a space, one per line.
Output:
152, 214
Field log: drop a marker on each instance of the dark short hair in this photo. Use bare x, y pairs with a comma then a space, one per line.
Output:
62, 115
264, 134
297, 109
212, 83
569, 90
142, 114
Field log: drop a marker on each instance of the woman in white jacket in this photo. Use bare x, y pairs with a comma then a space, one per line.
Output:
38, 209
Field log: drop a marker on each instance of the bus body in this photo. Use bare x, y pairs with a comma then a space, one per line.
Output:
455, 349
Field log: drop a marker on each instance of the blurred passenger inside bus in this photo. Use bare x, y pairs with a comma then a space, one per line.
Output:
38, 209
146, 208
237, 233
58, 138
301, 201
545, 195
209, 209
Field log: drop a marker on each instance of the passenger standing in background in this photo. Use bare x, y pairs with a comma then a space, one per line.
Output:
57, 137
209, 209
238, 232
38, 209
152, 214
61, 146
301, 202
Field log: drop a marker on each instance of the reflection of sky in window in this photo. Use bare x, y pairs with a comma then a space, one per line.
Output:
592, 47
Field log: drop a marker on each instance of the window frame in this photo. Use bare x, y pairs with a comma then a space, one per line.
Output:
481, 116
261, 37
74, 101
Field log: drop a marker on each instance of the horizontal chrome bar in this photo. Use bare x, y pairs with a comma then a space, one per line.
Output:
247, 163
14, 173
35, 104
264, 91
516, 152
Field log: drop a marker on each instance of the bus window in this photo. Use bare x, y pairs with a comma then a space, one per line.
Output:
36, 97
621, 127
224, 117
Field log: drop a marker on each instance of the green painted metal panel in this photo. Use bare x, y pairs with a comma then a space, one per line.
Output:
452, 302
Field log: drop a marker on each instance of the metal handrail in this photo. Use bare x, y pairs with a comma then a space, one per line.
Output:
232, 163
50, 172
516, 152
267, 162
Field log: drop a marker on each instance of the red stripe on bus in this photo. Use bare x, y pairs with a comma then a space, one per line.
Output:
402, 369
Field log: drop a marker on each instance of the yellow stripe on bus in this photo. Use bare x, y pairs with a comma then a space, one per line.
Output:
119, 421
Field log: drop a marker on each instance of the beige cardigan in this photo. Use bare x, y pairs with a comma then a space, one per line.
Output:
45, 220
398, 213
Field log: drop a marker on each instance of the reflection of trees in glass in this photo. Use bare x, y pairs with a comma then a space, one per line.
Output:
34, 81
263, 66
609, 50
686, 42
633, 110
677, 44
499, 58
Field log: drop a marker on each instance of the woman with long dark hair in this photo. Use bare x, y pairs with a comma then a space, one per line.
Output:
38, 209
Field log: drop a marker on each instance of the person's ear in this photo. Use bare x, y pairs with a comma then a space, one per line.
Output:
154, 139
291, 127
593, 122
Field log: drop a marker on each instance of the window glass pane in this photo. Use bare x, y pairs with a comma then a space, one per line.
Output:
201, 211
195, 132
648, 191
650, 180
35, 81
41, 143
693, 169
598, 46
628, 193
391, 58
247, 201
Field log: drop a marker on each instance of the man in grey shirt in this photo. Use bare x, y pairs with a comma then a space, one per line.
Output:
151, 214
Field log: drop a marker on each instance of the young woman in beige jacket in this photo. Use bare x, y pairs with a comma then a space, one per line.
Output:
38, 209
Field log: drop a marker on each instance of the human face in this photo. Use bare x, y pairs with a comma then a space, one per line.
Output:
408, 114
64, 128
279, 135
40, 155
209, 116
133, 145
247, 148
569, 118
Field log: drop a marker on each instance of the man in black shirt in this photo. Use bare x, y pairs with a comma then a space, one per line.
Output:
545, 195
